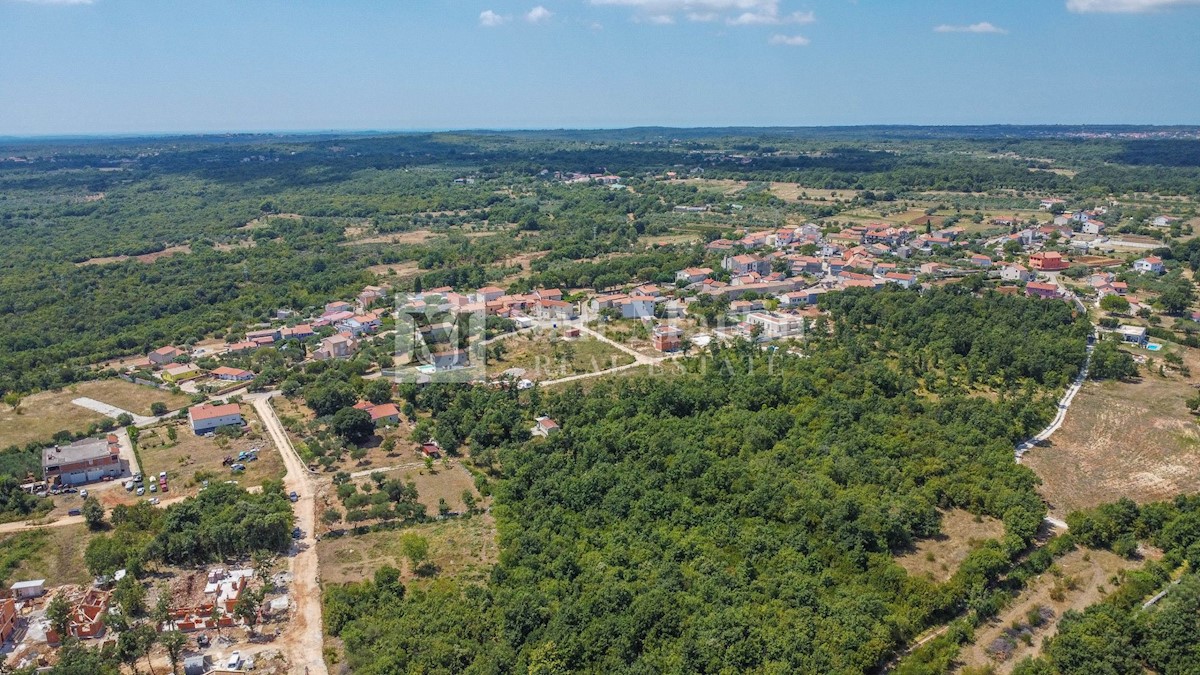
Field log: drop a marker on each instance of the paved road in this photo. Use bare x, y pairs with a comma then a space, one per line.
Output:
303, 643
112, 411
1064, 404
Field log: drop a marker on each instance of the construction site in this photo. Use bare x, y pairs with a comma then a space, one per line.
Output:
230, 617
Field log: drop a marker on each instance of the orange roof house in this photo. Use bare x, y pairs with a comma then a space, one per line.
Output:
1047, 261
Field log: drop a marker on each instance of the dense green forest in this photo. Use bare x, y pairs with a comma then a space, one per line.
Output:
742, 517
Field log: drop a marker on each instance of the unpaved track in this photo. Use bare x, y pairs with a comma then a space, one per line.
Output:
303, 642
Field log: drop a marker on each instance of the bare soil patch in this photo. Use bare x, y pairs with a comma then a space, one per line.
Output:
413, 237
961, 532
145, 258
399, 270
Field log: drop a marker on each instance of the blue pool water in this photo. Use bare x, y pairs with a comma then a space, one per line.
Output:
1153, 346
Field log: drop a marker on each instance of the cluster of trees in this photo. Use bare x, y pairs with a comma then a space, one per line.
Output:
391, 499
1109, 362
223, 522
16, 503
957, 335
741, 516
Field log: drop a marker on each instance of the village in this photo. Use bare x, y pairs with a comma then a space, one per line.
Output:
765, 286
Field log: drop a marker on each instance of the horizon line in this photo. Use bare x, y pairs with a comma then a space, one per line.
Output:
597, 128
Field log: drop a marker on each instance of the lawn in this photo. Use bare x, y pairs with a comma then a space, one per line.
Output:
1120, 439
939, 557
190, 458
1078, 579
544, 356
461, 548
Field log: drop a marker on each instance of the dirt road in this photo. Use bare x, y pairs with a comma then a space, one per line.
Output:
303, 643
21, 526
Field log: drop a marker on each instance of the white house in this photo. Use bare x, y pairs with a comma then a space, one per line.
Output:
692, 275
1092, 227
545, 426
205, 418
1133, 334
1016, 273
904, 280
775, 325
1152, 264
637, 307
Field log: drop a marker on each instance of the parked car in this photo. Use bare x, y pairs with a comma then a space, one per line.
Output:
137, 477
238, 467
129, 486
83, 493
153, 487
153, 501
294, 496
297, 533
74, 512
162, 475
235, 660
141, 491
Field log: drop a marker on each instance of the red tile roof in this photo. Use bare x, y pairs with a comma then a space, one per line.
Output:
207, 412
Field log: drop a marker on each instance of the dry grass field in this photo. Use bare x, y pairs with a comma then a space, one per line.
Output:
41, 415
1134, 440
45, 413
939, 557
135, 398
1080, 578
544, 357
462, 548
59, 560
145, 258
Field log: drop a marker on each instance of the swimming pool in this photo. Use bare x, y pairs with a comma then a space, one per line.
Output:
1153, 346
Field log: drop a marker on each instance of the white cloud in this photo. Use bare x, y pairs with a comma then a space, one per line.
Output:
733, 12
490, 19
981, 27
1126, 6
538, 14
789, 40
770, 17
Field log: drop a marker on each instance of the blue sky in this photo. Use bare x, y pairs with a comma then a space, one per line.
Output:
130, 66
